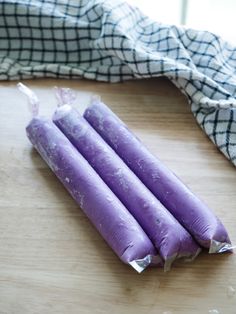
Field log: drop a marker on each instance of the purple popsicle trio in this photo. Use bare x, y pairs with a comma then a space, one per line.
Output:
141, 209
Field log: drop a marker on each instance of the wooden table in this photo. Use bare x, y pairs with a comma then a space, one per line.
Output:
53, 261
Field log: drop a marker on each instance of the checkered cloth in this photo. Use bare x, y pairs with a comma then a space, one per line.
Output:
112, 41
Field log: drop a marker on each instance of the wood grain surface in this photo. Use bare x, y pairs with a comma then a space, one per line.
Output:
52, 260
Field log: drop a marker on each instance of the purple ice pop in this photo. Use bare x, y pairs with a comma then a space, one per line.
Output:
187, 208
99, 203
165, 232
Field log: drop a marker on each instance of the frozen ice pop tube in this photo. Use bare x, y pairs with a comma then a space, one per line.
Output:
165, 232
185, 206
105, 211
113, 221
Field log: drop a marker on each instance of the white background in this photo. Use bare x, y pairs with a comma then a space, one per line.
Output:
218, 16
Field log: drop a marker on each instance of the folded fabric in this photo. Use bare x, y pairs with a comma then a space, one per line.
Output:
113, 41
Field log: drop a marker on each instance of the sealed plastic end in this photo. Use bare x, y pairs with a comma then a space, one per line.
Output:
95, 99
140, 264
168, 263
185, 257
65, 96
32, 99
220, 247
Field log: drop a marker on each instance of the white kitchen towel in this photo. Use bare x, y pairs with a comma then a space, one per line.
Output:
109, 40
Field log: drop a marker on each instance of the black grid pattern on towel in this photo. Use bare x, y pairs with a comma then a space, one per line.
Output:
112, 41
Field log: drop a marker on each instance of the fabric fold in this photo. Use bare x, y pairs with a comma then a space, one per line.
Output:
113, 41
